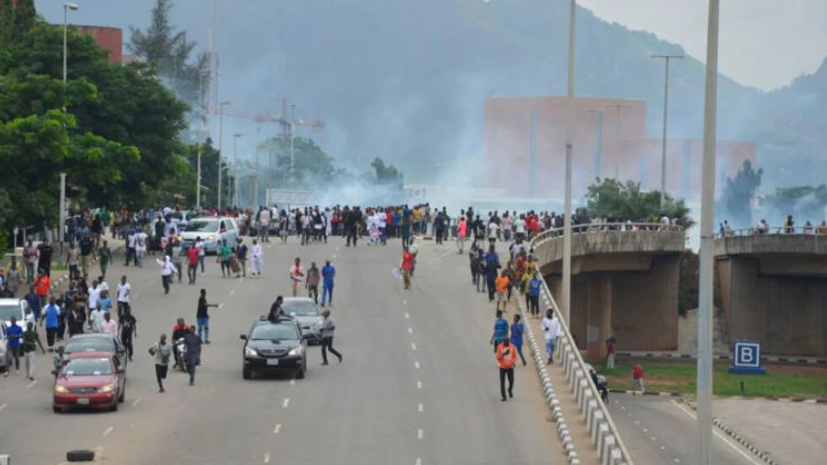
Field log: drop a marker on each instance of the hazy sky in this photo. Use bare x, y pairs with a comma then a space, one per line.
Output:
763, 43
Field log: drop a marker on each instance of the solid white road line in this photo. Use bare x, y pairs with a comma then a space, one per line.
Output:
645, 430
3, 407
136, 402
285, 403
421, 407
723, 438
266, 457
108, 430
413, 346
277, 429
31, 384
420, 433
416, 365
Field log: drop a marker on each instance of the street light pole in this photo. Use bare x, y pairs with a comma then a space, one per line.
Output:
566, 301
66, 7
705, 291
292, 128
666, 59
220, 145
235, 168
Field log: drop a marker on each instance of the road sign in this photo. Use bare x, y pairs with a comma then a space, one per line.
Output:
747, 360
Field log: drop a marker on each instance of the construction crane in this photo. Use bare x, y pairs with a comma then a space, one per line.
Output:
283, 120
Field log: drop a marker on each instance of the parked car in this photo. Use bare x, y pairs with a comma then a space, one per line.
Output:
307, 313
274, 347
18, 308
96, 342
211, 230
89, 380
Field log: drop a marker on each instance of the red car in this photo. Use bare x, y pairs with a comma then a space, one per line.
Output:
89, 380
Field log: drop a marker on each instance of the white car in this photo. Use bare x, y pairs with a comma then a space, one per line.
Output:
18, 308
211, 230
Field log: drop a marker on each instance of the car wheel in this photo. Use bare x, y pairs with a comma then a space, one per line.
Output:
300, 373
80, 456
246, 373
56, 409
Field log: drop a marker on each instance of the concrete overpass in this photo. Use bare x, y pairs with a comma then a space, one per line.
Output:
625, 280
773, 290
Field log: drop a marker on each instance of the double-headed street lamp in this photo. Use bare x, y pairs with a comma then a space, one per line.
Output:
666, 59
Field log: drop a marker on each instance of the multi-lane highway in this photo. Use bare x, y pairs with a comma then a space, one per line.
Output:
418, 384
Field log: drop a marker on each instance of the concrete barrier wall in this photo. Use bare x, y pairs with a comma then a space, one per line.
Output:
550, 249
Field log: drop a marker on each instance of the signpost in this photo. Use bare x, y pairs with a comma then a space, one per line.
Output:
747, 359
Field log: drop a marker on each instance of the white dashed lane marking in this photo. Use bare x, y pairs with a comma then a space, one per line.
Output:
407, 317
285, 403
419, 384
420, 433
136, 402
266, 457
28, 386
416, 365
277, 429
413, 346
3, 407
108, 430
410, 330
292, 382
232, 292
420, 407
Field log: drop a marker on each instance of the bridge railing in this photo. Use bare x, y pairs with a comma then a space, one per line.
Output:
604, 433
597, 228
773, 231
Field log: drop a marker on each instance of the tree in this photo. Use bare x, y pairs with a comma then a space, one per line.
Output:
617, 201
386, 174
25, 17
736, 200
209, 171
6, 23
803, 202
311, 165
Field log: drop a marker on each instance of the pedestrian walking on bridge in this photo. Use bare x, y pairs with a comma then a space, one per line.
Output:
506, 358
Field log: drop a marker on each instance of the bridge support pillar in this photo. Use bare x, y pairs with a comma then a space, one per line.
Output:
599, 322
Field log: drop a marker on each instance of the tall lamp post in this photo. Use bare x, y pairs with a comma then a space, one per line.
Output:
220, 145
666, 59
705, 282
235, 168
569, 148
292, 129
62, 215
66, 7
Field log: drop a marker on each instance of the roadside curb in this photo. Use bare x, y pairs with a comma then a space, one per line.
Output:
760, 453
645, 393
675, 355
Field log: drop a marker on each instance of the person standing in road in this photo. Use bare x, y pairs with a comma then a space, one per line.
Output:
140, 247
123, 296
551, 331
296, 274
257, 260
73, 260
192, 264
42, 286
87, 246
96, 318
611, 345
506, 358
202, 316
30, 256
328, 275
14, 333
109, 326
328, 327
517, 331
224, 252
501, 283
51, 318
161, 353
462, 233
104, 257
44, 263
129, 328
167, 271
202, 252
241, 255
492, 264
500, 330
312, 283
637, 378
193, 356
29, 345
406, 267
131, 238
264, 225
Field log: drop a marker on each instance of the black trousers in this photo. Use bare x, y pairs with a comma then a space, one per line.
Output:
506, 373
126, 339
161, 374
534, 301
491, 288
50, 336
165, 280
351, 234
313, 292
327, 344
13, 353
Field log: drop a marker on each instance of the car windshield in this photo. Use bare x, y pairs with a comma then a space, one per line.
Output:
8, 311
301, 308
88, 367
271, 332
202, 226
90, 345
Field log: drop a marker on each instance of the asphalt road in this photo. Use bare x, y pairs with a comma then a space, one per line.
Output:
660, 430
418, 384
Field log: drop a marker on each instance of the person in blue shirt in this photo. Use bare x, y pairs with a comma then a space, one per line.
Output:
14, 333
328, 274
34, 303
51, 317
492, 264
534, 295
517, 330
500, 330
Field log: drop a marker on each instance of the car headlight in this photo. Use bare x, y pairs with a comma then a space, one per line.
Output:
210, 238
296, 351
60, 389
250, 352
107, 388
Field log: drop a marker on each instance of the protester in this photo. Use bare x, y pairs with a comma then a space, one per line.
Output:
161, 352
506, 358
611, 345
517, 331
500, 330
129, 329
637, 378
312, 282
167, 272
193, 355
14, 333
551, 331
202, 316
29, 345
328, 327
51, 316
296, 274
328, 275
108, 325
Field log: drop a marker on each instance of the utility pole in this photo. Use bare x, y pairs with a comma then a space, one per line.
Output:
62, 215
705, 291
566, 301
292, 128
220, 145
666, 59
235, 169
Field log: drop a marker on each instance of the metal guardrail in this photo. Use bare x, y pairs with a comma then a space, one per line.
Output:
604, 433
773, 231
597, 228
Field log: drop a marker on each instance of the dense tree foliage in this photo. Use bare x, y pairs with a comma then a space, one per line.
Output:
736, 201
803, 202
611, 198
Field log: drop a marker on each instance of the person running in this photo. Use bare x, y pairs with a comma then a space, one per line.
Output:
500, 330
328, 327
202, 316
312, 283
14, 333
193, 356
257, 260
413, 248
328, 276
492, 264
241, 255
129, 328
506, 358
406, 267
551, 331
29, 346
296, 274
517, 331
104, 257
161, 353
167, 272
51, 318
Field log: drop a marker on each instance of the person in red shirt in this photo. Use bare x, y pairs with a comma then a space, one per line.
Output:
506, 358
41, 288
637, 378
192, 263
406, 267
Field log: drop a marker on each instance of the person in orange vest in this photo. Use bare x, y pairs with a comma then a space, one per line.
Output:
41, 287
506, 358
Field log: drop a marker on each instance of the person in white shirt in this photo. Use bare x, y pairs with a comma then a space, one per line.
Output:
123, 296
96, 318
256, 263
664, 222
140, 248
130, 248
264, 225
551, 330
167, 271
108, 325
94, 293
493, 229
519, 227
